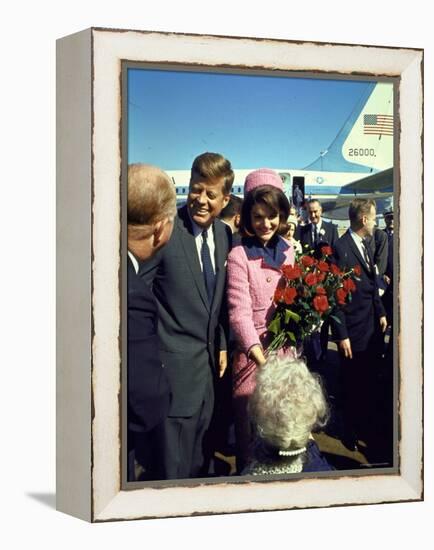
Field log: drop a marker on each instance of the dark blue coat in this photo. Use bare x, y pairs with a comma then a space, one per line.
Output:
329, 237
148, 385
359, 319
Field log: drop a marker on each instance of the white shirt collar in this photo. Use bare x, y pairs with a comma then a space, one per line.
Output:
197, 229
135, 262
318, 228
357, 238
197, 234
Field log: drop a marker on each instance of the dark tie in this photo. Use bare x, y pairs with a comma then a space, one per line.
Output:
315, 235
208, 271
366, 256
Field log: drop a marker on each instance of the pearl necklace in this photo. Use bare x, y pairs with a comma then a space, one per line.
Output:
293, 453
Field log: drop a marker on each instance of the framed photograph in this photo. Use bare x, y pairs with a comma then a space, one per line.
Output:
335, 122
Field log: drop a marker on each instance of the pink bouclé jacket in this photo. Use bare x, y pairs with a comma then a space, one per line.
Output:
252, 282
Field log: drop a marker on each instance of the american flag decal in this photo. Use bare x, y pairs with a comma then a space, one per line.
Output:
380, 125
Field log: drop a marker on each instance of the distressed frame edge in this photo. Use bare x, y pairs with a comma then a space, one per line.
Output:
73, 275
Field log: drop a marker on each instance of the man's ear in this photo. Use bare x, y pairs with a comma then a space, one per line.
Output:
237, 220
157, 233
226, 199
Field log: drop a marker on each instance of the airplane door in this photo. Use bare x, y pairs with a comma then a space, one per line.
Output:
298, 191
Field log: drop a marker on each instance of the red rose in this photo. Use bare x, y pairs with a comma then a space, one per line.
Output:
349, 285
323, 266
307, 261
321, 290
291, 271
320, 277
326, 250
321, 304
278, 294
335, 269
341, 295
289, 294
357, 270
311, 279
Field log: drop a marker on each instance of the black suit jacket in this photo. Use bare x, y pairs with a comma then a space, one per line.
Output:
191, 331
148, 385
330, 236
378, 244
359, 320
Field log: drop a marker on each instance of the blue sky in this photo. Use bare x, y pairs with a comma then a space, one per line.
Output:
254, 121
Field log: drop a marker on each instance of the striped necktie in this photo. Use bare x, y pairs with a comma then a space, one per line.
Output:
315, 234
208, 270
366, 256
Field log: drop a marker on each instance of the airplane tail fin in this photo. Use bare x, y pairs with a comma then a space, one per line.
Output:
365, 141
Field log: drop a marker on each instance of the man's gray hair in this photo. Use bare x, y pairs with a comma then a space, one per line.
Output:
287, 404
151, 195
359, 208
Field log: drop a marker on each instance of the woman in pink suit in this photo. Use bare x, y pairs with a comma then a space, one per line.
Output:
254, 272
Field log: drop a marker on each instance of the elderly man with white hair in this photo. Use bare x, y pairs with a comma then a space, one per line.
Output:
151, 212
287, 405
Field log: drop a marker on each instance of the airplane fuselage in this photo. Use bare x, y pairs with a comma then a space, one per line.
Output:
315, 184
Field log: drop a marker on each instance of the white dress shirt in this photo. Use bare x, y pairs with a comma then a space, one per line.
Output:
359, 243
318, 230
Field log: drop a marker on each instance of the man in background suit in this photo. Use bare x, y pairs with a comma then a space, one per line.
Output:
388, 273
151, 211
188, 281
317, 232
313, 236
360, 331
231, 215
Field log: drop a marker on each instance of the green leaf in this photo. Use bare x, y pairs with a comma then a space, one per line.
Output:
292, 337
274, 326
336, 319
291, 315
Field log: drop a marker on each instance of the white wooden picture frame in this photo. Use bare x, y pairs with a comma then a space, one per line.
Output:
89, 244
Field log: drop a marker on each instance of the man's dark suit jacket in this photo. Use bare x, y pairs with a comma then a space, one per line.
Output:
191, 331
378, 244
359, 319
148, 385
330, 236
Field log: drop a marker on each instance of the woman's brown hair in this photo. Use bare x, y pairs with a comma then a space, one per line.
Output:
272, 198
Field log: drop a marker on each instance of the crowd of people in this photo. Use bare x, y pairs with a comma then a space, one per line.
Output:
201, 282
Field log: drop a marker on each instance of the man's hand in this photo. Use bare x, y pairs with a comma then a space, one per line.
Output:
383, 323
223, 362
345, 348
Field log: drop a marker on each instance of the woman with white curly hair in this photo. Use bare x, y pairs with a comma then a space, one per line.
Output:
287, 405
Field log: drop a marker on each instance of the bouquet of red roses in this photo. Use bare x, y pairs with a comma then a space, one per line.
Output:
307, 294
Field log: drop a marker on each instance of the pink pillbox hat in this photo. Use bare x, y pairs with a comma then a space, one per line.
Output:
263, 176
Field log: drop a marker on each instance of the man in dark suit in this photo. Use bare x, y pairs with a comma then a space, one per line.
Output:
188, 281
388, 220
360, 331
388, 274
317, 232
151, 211
231, 215
312, 236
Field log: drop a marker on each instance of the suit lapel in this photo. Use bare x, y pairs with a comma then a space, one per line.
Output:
189, 244
356, 252
220, 259
308, 232
327, 235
